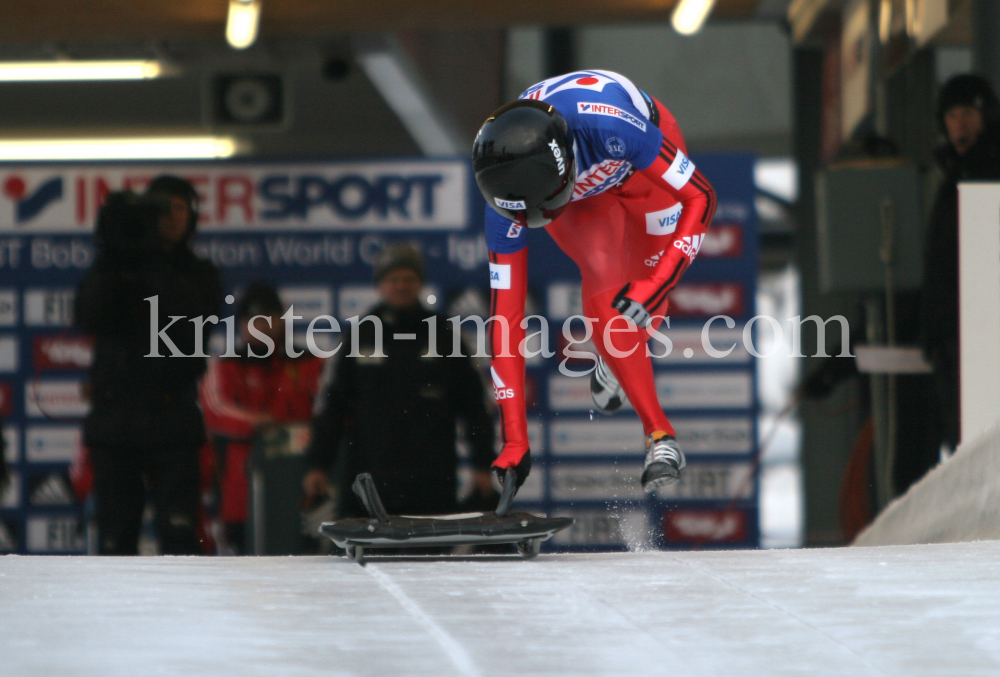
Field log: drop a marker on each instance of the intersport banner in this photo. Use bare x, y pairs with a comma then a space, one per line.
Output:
314, 230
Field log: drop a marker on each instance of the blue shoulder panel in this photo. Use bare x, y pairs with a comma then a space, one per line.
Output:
502, 235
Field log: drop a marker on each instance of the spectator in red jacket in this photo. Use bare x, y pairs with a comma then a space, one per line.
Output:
241, 395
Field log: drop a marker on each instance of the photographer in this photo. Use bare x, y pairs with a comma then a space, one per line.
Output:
145, 428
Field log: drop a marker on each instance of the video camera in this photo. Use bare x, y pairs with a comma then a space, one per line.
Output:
129, 223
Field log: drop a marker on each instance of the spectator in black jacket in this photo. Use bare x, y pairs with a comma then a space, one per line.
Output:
969, 116
395, 416
145, 428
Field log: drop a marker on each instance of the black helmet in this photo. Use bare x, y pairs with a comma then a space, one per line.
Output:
523, 158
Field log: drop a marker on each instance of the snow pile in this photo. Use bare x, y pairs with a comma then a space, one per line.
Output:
957, 501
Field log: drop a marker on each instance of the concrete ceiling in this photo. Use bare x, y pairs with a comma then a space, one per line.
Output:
129, 21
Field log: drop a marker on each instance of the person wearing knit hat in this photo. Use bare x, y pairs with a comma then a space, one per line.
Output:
396, 256
968, 115
397, 411
399, 276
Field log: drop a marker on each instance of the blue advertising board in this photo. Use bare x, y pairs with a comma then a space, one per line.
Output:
315, 230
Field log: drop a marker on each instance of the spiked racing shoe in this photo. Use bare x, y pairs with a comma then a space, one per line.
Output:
607, 394
664, 462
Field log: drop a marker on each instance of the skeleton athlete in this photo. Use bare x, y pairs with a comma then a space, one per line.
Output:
603, 167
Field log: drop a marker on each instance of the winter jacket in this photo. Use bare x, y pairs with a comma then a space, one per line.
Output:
395, 416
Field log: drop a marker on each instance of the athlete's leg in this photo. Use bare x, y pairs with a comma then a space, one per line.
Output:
634, 371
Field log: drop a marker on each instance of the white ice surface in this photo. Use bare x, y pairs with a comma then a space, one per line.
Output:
901, 610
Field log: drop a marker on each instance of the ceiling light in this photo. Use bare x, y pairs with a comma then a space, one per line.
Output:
138, 148
690, 15
42, 71
242, 23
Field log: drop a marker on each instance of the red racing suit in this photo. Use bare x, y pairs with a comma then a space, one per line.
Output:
236, 393
638, 217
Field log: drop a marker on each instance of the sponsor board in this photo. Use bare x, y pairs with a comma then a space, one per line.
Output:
704, 526
11, 443
583, 437
62, 353
569, 393
705, 390
6, 399
52, 443
723, 240
580, 356
604, 527
711, 482
686, 345
536, 437
54, 534
53, 489
468, 253
564, 300
55, 399
408, 195
356, 300
724, 435
48, 307
706, 300
700, 390
323, 340
9, 361
596, 481
532, 491
308, 302
696, 435
738, 211
8, 308
10, 498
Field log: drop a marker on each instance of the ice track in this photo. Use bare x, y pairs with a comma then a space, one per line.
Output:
901, 610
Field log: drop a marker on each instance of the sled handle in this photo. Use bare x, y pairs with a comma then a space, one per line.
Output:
364, 489
509, 489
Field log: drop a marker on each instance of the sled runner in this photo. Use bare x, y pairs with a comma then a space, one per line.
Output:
382, 530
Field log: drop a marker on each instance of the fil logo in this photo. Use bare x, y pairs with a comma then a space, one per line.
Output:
514, 230
690, 244
500, 390
29, 205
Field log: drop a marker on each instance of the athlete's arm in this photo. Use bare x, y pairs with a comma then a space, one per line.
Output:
508, 291
673, 171
507, 243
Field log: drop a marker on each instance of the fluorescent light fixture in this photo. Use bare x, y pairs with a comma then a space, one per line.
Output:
51, 71
138, 148
690, 15
242, 23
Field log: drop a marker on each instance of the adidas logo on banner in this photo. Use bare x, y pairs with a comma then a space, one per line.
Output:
690, 244
53, 491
